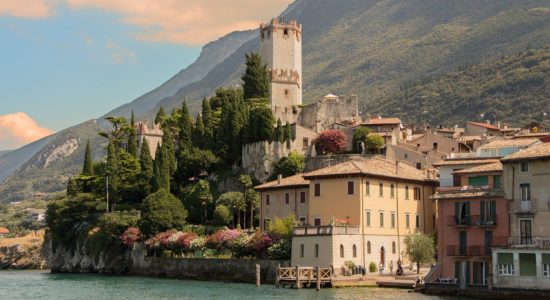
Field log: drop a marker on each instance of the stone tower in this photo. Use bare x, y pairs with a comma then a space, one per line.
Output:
281, 50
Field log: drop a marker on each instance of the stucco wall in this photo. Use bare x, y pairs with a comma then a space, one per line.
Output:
517, 281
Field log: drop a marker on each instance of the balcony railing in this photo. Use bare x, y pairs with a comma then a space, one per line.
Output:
455, 250
474, 220
521, 206
325, 230
539, 242
467, 189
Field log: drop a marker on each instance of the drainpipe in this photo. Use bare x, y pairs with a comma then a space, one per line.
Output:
361, 199
398, 214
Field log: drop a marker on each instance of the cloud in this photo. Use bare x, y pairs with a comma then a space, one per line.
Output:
190, 22
33, 9
120, 54
19, 129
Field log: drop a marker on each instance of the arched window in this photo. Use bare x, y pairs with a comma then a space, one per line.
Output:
286, 31
316, 250
354, 251
393, 247
301, 250
368, 247
342, 251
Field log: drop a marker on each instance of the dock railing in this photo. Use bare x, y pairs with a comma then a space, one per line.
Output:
299, 277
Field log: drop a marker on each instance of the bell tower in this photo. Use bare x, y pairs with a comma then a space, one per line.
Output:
281, 50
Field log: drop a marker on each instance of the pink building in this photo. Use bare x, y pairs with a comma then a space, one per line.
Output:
472, 218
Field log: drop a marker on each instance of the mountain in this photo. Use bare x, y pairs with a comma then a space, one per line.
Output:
515, 88
366, 47
211, 55
11, 160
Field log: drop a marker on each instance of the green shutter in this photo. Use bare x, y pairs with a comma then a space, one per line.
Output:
546, 259
478, 180
505, 258
494, 211
496, 181
527, 264
482, 211
467, 208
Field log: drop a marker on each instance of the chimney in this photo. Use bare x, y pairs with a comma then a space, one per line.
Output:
279, 178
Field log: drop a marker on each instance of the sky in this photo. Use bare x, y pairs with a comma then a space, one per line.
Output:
63, 62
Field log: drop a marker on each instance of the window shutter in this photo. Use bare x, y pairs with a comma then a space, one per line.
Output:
482, 211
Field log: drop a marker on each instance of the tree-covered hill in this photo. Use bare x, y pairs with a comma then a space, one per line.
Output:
516, 88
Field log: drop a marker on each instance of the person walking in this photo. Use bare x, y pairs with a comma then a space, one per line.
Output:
391, 267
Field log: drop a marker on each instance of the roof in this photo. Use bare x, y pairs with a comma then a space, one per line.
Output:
291, 181
540, 151
468, 161
485, 168
469, 138
330, 96
376, 167
490, 193
4, 230
484, 125
382, 121
510, 143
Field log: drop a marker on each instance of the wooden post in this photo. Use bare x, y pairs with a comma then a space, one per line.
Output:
318, 271
277, 275
298, 283
257, 274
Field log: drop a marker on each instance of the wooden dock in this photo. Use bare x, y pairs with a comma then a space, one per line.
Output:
299, 277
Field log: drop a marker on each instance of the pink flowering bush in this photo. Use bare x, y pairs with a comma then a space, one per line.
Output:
221, 239
130, 236
259, 243
330, 141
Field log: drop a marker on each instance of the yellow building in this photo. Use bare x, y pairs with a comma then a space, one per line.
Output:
379, 201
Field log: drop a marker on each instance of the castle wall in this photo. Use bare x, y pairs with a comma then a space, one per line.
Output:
322, 114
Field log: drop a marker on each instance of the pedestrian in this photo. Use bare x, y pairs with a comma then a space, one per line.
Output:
381, 268
391, 267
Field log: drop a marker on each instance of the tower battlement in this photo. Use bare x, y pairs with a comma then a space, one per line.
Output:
275, 26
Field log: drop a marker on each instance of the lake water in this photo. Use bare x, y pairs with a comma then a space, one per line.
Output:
43, 285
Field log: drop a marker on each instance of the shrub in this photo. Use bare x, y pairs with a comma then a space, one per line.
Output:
372, 267
330, 141
222, 215
374, 142
162, 211
282, 228
259, 243
130, 236
291, 165
280, 250
198, 244
360, 135
349, 264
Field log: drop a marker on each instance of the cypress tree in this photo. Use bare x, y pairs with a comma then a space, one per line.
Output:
111, 171
161, 115
287, 134
132, 137
198, 133
278, 135
161, 170
169, 151
208, 123
255, 78
146, 169
185, 128
88, 168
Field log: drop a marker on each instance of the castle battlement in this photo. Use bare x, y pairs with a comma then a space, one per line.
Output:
284, 76
289, 28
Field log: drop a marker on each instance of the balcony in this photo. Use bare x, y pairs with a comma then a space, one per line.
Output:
524, 207
474, 220
325, 230
537, 242
466, 189
455, 250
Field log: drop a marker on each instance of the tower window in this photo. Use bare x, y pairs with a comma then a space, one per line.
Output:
286, 31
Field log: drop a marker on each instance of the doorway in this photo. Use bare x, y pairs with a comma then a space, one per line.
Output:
383, 256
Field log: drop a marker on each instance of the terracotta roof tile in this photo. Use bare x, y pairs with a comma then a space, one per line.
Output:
291, 181
540, 151
484, 125
469, 161
382, 121
373, 166
485, 168
4, 230
510, 143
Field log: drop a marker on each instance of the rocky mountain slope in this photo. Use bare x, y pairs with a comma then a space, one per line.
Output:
364, 47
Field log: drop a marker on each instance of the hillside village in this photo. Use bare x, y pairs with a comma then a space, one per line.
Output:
370, 181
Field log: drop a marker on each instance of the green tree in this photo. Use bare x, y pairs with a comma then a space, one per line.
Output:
260, 124
194, 162
169, 153
111, 173
88, 168
282, 227
233, 120
246, 183
222, 215
293, 164
374, 142
161, 170
146, 170
132, 137
360, 135
198, 133
161, 116
208, 123
287, 136
185, 126
279, 134
420, 249
198, 200
255, 78
162, 211
234, 201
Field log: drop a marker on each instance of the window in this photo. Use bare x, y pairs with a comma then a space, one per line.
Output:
524, 166
505, 263
302, 197
316, 250
527, 264
287, 198
462, 213
381, 219
305, 143
267, 222
381, 190
341, 251
406, 156
393, 220
546, 265
301, 250
488, 212
267, 199
393, 247
367, 188
285, 32
525, 189
317, 221
354, 251
368, 218
406, 192
392, 191
408, 220
416, 193
368, 247
417, 221
303, 220
434, 146
351, 187
419, 166
317, 190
